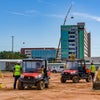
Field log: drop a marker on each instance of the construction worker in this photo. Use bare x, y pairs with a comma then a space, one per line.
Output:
44, 73
93, 70
42, 70
16, 73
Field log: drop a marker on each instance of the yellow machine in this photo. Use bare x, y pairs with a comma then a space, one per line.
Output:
2, 82
1, 76
98, 75
96, 82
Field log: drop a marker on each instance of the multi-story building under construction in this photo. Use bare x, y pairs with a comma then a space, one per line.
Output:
75, 40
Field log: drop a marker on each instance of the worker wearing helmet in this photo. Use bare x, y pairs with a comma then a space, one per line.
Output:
16, 73
93, 70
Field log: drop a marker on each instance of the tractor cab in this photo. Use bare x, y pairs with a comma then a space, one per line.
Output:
34, 73
75, 70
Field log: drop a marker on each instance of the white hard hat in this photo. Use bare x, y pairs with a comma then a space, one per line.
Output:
18, 62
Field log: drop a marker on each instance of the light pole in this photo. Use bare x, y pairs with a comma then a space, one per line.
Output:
12, 43
23, 44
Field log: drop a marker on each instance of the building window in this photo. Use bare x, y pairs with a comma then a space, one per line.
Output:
27, 51
71, 48
71, 32
71, 40
87, 61
61, 66
71, 36
71, 44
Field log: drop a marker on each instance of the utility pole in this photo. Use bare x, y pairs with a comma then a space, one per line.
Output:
12, 43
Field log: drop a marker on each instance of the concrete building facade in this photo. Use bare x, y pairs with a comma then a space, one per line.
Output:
75, 40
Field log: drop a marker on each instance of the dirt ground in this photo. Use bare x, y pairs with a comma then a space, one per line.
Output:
56, 90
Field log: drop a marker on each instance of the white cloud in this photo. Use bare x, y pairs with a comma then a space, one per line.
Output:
17, 13
85, 15
55, 16
31, 11
46, 2
26, 13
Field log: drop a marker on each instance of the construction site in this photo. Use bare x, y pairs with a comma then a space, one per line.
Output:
67, 72
56, 90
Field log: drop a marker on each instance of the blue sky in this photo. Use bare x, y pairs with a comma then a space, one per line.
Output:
37, 22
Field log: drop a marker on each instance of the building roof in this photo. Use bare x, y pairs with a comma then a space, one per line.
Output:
38, 48
10, 60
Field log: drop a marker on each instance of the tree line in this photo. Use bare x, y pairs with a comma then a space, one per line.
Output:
11, 55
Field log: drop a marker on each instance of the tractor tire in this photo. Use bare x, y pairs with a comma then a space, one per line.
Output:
89, 79
47, 85
75, 79
62, 80
20, 85
40, 85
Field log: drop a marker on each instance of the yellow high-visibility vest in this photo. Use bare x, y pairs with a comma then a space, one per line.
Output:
92, 68
17, 70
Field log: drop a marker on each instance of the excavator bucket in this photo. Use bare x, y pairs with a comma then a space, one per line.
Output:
96, 82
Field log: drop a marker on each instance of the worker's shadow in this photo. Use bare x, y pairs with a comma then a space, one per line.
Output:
70, 82
10, 89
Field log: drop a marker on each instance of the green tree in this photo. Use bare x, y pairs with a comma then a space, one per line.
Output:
10, 55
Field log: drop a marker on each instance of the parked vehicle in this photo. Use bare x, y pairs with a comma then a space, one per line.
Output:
32, 75
56, 67
76, 70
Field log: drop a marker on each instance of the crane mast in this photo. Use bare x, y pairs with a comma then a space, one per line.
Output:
69, 9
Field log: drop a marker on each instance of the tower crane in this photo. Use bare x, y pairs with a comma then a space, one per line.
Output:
69, 9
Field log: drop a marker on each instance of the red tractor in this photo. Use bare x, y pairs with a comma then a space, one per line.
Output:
75, 70
32, 74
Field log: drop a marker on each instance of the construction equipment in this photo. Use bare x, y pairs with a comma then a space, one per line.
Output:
60, 37
2, 82
75, 71
96, 82
1, 76
32, 74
